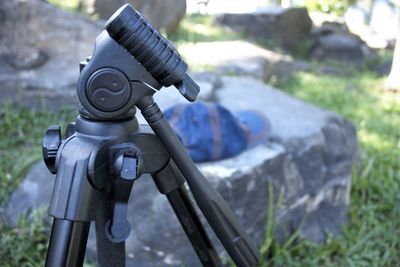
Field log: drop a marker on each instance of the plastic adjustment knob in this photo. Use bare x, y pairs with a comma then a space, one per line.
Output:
51, 144
108, 90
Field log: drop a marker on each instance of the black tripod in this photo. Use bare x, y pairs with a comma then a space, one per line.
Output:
106, 150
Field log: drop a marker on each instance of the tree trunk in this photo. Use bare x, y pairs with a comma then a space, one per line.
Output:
369, 12
393, 80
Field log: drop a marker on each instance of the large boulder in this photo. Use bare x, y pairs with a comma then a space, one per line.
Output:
308, 161
285, 27
338, 47
41, 47
163, 14
40, 50
334, 41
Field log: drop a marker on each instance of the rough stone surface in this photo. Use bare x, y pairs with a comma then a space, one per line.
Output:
308, 159
286, 27
322, 149
338, 47
243, 58
246, 59
334, 41
32, 193
42, 65
292, 27
40, 68
164, 14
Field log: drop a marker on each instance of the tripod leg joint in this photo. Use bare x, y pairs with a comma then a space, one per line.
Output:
169, 178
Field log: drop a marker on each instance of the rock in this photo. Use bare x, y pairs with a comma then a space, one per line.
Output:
40, 68
333, 70
34, 192
383, 68
242, 58
285, 27
334, 41
308, 159
329, 27
164, 15
338, 47
321, 150
40, 51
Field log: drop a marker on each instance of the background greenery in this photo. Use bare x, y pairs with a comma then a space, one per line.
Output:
370, 239
337, 7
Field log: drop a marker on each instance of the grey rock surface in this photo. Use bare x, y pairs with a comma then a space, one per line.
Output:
34, 192
243, 58
338, 47
322, 149
165, 14
42, 65
40, 68
285, 27
334, 41
308, 159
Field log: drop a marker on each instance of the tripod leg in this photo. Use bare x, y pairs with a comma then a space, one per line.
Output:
108, 253
219, 215
170, 182
67, 243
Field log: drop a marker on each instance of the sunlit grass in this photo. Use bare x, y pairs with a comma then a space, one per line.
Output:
372, 236
200, 28
374, 140
66, 4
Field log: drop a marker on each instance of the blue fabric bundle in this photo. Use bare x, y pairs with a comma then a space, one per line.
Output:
211, 132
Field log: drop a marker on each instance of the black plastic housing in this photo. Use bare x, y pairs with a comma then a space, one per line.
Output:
133, 32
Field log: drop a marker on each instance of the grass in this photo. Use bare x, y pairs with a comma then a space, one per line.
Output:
72, 5
196, 28
372, 236
21, 132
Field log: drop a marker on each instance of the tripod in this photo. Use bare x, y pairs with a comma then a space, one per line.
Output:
106, 151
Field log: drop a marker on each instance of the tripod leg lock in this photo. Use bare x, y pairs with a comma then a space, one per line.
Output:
169, 178
117, 228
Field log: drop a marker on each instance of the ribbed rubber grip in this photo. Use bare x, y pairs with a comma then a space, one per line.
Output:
133, 32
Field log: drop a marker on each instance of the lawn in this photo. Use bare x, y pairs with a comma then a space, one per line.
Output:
21, 132
372, 237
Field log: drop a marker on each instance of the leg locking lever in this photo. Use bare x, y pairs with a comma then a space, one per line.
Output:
125, 166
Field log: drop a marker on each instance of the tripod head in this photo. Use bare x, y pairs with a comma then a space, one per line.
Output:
131, 60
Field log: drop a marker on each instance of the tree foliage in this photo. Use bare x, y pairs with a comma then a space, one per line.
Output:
337, 7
